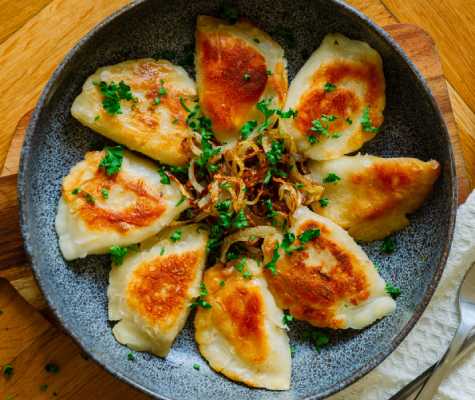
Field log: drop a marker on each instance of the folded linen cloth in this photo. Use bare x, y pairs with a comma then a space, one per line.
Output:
431, 336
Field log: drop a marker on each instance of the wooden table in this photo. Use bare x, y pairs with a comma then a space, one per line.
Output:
34, 36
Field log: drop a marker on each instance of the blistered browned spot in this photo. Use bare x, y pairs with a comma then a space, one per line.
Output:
385, 185
341, 102
158, 288
93, 209
312, 291
238, 312
226, 96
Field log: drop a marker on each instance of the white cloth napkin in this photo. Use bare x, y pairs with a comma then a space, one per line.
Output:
432, 334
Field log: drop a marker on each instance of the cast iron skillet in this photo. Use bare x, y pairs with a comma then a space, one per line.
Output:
76, 291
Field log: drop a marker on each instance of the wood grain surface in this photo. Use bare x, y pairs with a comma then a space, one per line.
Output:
34, 36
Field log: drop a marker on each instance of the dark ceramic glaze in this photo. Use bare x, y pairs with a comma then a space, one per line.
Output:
76, 291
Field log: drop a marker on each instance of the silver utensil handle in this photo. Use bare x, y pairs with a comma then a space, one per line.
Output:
441, 368
411, 390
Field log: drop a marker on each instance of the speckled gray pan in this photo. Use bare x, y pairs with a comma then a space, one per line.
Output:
76, 291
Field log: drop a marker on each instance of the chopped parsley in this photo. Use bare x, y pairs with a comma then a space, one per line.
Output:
299, 185
52, 368
221, 283
202, 125
317, 337
233, 252
179, 202
287, 243
323, 202
196, 366
247, 275
7, 370
215, 238
240, 265
175, 236
393, 291
290, 113
269, 72
112, 161
179, 170
162, 91
270, 210
183, 104
162, 251
276, 152
366, 122
200, 301
105, 193
97, 118
263, 107
272, 264
164, 178
89, 198
118, 253
130, 356
321, 127
331, 178
113, 93
248, 128
246, 77
309, 235
240, 220
292, 350
225, 185
329, 87
349, 121
75, 191
256, 40
224, 213
287, 318
388, 246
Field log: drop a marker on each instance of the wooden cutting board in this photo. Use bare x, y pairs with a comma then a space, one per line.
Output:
37, 339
